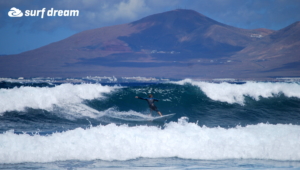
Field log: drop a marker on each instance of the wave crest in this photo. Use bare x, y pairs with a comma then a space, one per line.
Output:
235, 93
178, 139
17, 99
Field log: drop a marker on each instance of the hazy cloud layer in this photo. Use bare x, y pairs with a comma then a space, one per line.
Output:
272, 14
250, 14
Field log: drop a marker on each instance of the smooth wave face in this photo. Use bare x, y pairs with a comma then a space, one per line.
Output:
178, 139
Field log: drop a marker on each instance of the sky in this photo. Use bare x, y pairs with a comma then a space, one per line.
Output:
20, 34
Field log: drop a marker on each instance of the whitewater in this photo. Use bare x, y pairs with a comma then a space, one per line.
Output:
235, 125
176, 139
235, 93
17, 99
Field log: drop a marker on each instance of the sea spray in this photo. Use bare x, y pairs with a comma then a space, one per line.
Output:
18, 99
235, 93
177, 139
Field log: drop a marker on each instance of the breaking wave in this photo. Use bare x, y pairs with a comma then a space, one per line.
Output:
47, 98
177, 139
235, 93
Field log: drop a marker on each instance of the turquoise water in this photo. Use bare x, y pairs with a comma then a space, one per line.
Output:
251, 125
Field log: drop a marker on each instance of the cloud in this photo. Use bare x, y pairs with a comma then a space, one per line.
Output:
93, 13
128, 10
249, 14
14, 12
273, 14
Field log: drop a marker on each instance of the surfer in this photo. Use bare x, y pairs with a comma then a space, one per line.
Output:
150, 101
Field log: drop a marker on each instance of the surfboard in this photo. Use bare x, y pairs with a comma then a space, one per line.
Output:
147, 118
163, 118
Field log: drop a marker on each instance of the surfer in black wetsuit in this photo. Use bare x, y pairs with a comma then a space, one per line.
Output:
151, 101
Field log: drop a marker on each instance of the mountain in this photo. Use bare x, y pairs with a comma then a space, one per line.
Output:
277, 54
175, 44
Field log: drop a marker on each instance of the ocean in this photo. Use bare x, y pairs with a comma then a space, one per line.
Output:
246, 125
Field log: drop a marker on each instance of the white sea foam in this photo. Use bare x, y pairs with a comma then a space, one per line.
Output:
235, 93
65, 95
178, 139
113, 112
73, 111
76, 110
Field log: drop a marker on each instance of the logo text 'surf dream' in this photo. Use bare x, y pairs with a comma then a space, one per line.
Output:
14, 12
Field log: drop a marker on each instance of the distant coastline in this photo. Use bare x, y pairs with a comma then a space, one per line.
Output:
115, 80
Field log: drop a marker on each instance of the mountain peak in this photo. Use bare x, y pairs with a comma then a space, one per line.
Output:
175, 40
291, 32
295, 25
187, 11
177, 16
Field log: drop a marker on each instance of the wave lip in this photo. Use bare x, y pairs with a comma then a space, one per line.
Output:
178, 139
235, 93
18, 99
